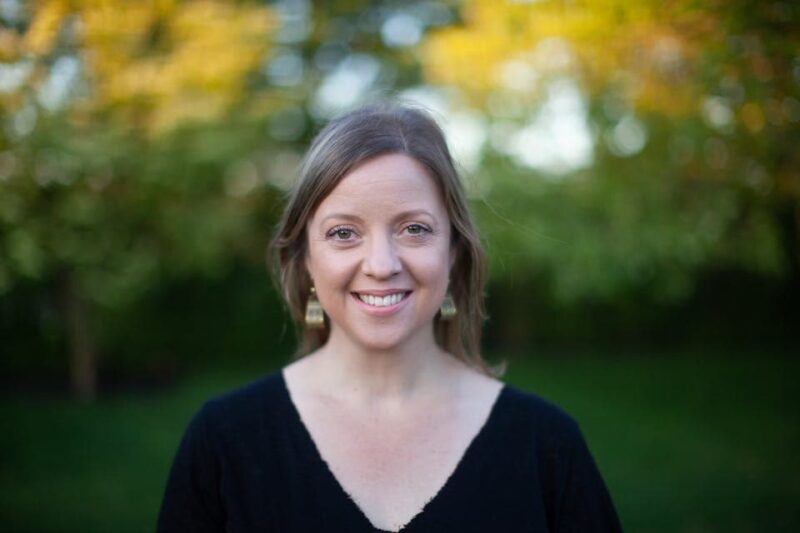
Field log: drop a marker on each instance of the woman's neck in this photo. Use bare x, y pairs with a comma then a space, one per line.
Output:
364, 375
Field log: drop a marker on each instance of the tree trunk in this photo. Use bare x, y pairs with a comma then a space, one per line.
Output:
83, 360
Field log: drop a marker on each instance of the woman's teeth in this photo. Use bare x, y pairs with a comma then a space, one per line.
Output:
381, 301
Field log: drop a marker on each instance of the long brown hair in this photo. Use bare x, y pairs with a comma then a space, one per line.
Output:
345, 143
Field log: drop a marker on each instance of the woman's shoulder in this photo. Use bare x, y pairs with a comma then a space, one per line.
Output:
572, 487
258, 402
538, 418
263, 388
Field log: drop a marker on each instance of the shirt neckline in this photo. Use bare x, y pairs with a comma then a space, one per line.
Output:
461, 466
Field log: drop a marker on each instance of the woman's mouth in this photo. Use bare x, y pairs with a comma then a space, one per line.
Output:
386, 300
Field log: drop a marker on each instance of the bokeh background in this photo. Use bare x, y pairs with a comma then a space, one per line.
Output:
634, 167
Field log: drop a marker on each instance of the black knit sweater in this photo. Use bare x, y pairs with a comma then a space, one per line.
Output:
247, 463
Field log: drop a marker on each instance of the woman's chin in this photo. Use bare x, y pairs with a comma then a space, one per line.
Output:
381, 345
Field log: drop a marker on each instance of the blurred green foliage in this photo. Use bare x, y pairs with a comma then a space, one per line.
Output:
675, 127
633, 167
626, 224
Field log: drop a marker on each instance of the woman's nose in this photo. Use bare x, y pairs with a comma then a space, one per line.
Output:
381, 260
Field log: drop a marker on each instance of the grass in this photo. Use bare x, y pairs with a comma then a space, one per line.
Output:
686, 443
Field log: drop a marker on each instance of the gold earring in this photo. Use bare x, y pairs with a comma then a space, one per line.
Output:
448, 308
315, 317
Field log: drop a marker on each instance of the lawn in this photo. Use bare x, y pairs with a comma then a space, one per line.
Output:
686, 443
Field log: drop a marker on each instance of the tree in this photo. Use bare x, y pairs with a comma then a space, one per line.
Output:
128, 135
691, 112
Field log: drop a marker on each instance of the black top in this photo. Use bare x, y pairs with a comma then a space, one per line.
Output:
247, 463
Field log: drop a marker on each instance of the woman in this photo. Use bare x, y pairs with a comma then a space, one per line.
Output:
391, 420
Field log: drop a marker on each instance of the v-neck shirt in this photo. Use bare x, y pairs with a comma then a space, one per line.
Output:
247, 463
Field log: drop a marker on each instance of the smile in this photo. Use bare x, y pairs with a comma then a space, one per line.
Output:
382, 301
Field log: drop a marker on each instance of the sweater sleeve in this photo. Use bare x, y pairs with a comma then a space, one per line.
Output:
191, 499
585, 504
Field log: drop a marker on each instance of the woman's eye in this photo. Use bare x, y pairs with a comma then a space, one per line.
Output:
416, 229
341, 234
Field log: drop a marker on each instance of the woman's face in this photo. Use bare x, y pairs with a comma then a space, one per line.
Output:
379, 254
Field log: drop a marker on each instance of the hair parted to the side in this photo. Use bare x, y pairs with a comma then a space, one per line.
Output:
342, 145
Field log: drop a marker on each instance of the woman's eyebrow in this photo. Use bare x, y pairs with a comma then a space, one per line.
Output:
413, 213
341, 216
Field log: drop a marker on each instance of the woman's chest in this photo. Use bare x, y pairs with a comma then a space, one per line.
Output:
357, 474
386, 448
288, 487
391, 464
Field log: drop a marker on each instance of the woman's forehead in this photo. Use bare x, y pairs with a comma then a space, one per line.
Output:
390, 182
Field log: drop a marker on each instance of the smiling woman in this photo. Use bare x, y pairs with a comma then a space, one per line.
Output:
389, 419
352, 141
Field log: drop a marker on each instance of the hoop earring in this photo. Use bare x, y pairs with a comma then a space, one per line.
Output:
315, 317
448, 310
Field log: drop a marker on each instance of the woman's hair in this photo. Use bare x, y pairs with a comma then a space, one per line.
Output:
342, 145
